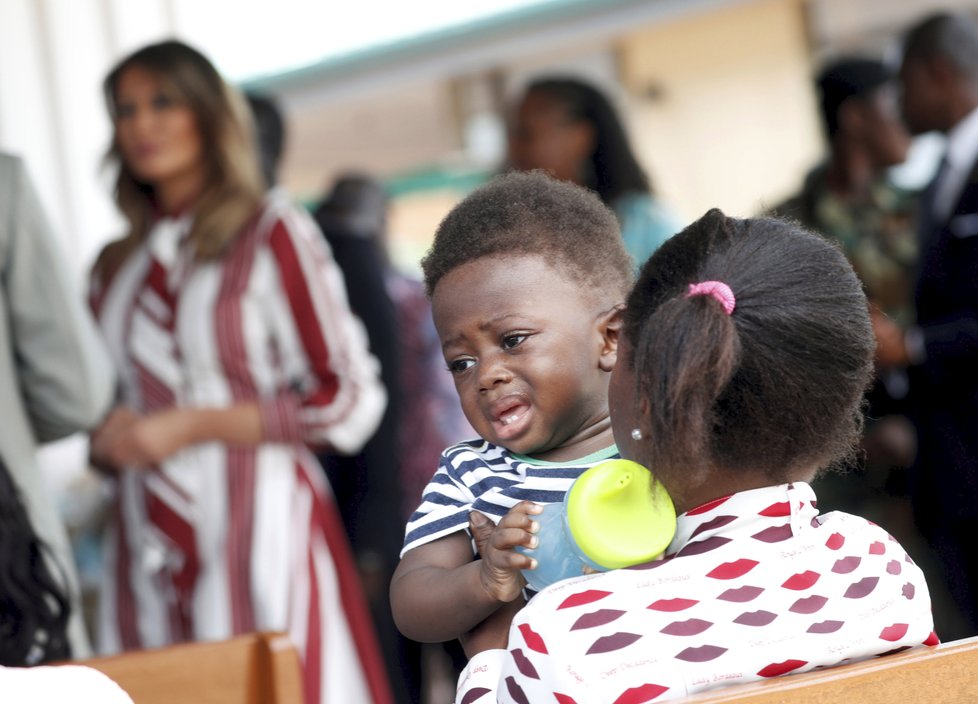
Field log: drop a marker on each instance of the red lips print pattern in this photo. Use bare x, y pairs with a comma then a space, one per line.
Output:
755, 585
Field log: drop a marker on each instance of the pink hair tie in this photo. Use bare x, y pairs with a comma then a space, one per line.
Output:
718, 290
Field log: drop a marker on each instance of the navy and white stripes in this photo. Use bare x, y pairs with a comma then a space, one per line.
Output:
477, 475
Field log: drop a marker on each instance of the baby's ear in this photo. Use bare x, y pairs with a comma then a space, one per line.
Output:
609, 327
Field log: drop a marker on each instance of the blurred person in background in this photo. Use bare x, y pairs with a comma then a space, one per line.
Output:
55, 379
423, 418
237, 352
569, 129
269, 136
368, 484
850, 198
364, 484
939, 77
435, 419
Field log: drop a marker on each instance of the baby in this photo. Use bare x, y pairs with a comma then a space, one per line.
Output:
527, 277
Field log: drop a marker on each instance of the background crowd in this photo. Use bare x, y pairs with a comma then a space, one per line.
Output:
265, 392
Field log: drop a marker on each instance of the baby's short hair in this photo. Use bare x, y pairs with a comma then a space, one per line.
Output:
533, 214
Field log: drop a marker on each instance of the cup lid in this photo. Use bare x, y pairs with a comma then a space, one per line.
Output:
619, 516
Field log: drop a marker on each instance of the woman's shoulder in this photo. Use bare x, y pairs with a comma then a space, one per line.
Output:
854, 529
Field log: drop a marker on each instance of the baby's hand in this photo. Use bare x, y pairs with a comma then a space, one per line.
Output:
501, 564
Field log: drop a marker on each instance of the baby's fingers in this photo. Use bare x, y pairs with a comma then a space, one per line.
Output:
505, 539
523, 516
481, 529
509, 560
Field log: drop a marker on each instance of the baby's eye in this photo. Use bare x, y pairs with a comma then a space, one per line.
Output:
511, 341
457, 366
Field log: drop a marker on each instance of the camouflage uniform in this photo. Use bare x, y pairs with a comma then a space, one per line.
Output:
879, 237
877, 234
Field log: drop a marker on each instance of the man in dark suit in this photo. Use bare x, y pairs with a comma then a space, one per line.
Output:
940, 92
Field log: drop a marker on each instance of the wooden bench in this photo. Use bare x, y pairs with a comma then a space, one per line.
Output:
947, 674
259, 668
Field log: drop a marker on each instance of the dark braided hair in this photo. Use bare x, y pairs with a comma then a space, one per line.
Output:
613, 170
775, 387
34, 607
532, 213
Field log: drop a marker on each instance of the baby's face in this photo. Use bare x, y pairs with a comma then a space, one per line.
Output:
525, 347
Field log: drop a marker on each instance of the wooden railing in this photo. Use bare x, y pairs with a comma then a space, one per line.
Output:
945, 674
259, 668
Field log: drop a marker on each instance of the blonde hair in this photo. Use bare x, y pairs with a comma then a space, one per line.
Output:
233, 185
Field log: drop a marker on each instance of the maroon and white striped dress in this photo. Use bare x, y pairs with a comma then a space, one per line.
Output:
221, 540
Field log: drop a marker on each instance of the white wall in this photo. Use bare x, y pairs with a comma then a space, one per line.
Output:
53, 56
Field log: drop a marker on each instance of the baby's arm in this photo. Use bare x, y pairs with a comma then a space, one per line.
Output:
439, 592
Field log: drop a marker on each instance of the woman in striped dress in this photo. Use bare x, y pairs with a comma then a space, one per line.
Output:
236, 350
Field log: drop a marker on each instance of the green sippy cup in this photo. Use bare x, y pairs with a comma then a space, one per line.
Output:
613, 516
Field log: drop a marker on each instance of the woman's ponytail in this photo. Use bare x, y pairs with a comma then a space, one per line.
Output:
687, 352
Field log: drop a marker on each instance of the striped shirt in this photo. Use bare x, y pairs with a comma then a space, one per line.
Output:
479, 476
